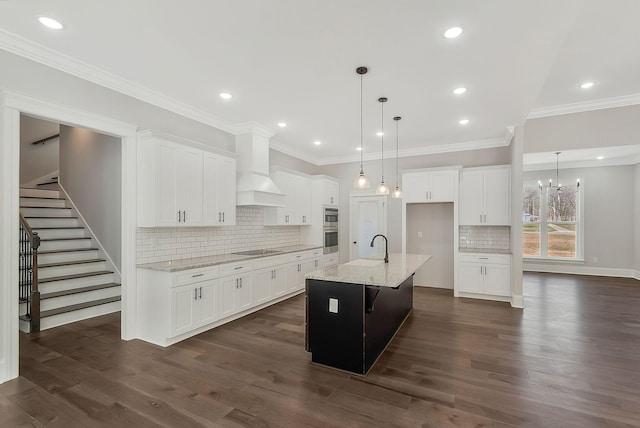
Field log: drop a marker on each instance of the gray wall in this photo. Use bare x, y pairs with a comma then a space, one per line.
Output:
609, 212
637, 218
90, 172
435, 221
592, 129
42, 159
346, 172
277, 158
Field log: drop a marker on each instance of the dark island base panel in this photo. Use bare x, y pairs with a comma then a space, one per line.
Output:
367, 319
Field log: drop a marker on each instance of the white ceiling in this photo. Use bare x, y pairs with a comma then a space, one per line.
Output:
294, 61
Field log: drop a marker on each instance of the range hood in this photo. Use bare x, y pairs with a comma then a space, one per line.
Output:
254, 185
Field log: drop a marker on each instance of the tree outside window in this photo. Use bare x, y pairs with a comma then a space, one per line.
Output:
550, 222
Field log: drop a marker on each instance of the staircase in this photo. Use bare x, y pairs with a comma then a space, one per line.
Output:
74, 281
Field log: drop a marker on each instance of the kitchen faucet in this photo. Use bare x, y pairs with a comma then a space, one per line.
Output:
386, 246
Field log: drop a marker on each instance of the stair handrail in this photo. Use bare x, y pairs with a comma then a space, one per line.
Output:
31, 281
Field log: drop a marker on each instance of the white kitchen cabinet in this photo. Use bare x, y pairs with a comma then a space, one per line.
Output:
182, 185
429, 186
262, 286
235, 294
330, 259
297, 201
330, 192
485, 196
219, 185
279, 281
193, 305
485, 274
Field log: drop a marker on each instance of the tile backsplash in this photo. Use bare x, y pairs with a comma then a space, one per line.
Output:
485, 237
170, 243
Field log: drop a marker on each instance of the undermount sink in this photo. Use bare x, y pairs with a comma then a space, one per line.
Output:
256, 252
365, 262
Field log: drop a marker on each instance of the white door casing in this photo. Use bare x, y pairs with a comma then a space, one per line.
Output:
368, 217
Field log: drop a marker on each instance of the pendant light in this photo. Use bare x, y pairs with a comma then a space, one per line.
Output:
361, 181
382, 189
397, 193
558, 186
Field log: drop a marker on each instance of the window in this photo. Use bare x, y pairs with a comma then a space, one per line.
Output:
550, 222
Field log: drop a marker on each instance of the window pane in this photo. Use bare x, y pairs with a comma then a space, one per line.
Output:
561, 240
561, 204
530, 239
530, 204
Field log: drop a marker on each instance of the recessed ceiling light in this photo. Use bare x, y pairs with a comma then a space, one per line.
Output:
463, 121
600, 157
359, 149
50, 23
459, 91
282, 124
225, 95
586, 85
453, 32
379, 133
317, 142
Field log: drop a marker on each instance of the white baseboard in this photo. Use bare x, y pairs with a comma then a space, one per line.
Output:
517, 301
580, 270
636, 274
444, 287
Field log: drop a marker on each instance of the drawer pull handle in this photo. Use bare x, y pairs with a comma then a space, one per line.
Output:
197, 275
483, 258
237, 267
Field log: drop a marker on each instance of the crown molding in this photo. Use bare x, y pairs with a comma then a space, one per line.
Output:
591, 163
288, 150
623, 101
33, 51
253, 128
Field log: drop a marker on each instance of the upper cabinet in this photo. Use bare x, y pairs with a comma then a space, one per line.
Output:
182, 185
429, 186
485, 195
330, 192
297, 201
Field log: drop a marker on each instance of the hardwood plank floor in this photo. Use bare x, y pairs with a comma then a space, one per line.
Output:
570, 359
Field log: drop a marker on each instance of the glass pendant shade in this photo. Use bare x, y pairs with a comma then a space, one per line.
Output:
361, 181
397, 193
382, 189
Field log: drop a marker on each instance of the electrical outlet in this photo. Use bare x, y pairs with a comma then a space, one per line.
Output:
419, 234
333, 305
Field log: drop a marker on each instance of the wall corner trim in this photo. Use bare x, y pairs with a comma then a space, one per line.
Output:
517, 301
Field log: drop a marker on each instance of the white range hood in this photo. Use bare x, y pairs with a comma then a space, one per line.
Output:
254, 185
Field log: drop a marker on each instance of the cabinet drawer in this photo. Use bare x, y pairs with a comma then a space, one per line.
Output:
485, 258
303, 255
266, 262
194, 275
236, 268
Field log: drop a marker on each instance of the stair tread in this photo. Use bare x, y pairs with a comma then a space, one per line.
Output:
64, 239
48, 217
75, 262
49, 208
57, 227
79, 306
71, 250
78, 290
44, 197
74, 276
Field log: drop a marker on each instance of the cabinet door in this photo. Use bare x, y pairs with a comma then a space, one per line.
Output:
243, 293
470, 277
211, 212
183, 316
227, 296
189, 177
294, 271
208, 302
442, 186
497, 279
279, 281
302, 200
497, 185
331, 193
226, 190
261, 286
414, 186
166, 185
471, 197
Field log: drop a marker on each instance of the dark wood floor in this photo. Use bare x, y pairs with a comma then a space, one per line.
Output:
570, 359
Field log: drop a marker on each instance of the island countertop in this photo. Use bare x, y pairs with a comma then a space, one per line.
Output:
373, 271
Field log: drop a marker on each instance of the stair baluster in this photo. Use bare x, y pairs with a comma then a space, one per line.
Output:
28, 279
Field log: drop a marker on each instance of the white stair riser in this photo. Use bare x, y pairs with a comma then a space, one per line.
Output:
46, 212
68, 284
49, 272
43, 202
24, 326
68, 256
72, 299
39, 193
22, 310
65, 245
35, 223
60, 233
68, 317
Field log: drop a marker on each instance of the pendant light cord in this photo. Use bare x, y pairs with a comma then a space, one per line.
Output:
361, 164
382, 138
397, 143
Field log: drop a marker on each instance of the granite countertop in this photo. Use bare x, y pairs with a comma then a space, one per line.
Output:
200, 262
373, 271
483, 251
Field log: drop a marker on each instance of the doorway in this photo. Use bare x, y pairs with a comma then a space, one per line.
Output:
368, 218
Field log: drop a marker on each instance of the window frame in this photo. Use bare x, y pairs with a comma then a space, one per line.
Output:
544, 222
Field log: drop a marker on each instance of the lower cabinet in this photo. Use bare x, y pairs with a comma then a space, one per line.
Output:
192, 306
485, 274
234, 294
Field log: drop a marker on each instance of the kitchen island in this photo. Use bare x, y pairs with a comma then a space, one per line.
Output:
353, 310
